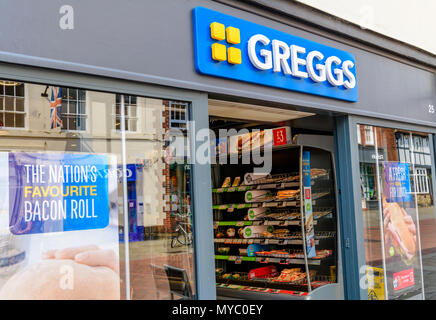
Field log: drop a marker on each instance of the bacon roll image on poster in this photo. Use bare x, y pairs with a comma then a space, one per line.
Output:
400, 232
58, 214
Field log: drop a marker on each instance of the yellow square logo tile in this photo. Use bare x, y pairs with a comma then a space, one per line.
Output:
219, 52
217, 31
234, 55
233, 35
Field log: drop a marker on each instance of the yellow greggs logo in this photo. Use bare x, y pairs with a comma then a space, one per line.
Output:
220, 52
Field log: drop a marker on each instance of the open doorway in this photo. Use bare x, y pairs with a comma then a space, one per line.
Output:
274, 202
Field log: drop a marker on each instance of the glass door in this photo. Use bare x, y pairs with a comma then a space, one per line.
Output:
398, 212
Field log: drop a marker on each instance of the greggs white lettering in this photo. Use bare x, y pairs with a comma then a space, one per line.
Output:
290, 60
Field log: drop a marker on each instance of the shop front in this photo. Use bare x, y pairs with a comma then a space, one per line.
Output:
227, 152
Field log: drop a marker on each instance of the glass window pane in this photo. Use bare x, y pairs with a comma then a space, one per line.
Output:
64, 93
72, 94
132, 111
64, 107
81, 123
19, 90
71, 123
19, 120
9, 120
9, 103
132, 125
82, 95
19, 104
9, 90
72, 107
2, 89
2, 99
81, 108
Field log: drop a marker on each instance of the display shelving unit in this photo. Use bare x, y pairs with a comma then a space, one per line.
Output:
236, 258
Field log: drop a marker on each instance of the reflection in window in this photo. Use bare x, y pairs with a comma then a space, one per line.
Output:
130, 112
12, 114
396, 186
152, 196
177, 111
73, 109
369, 135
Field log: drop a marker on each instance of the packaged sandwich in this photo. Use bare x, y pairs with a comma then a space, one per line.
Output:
236, 182
285, 194
227, 182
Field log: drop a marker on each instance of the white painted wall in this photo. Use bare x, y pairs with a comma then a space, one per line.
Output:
410, 21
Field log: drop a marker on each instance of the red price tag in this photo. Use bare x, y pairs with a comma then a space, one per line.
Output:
279, 136
307, 194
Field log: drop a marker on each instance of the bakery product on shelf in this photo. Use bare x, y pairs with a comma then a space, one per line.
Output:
280, 232
227, 182
286, 194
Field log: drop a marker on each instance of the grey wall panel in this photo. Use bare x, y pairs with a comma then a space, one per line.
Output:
151, 41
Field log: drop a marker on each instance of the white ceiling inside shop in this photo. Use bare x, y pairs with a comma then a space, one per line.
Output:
236, 110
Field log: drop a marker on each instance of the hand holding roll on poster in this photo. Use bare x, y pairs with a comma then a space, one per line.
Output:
81, 273
63, 206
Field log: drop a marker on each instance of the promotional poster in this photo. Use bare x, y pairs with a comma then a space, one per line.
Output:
58, 226
309, 231
400, 219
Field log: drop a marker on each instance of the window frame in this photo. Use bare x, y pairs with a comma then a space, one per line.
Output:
198, 112
127, 117
66, 116
357, 242
14, 112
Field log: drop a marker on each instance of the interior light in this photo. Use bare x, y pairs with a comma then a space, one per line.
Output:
9, 83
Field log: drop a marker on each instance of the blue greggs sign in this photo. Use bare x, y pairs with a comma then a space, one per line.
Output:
233, 48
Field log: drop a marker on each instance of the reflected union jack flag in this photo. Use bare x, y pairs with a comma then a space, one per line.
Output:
55, 103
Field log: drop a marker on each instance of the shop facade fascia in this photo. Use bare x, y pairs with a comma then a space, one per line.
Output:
392, 77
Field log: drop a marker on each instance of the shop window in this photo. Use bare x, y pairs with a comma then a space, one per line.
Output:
93, 196
398, 214
12, 111
130, 112
73, 109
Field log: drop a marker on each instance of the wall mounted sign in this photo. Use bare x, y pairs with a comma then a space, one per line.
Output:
233, 48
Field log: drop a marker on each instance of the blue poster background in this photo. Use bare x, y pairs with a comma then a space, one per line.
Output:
397, 182
30, 172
